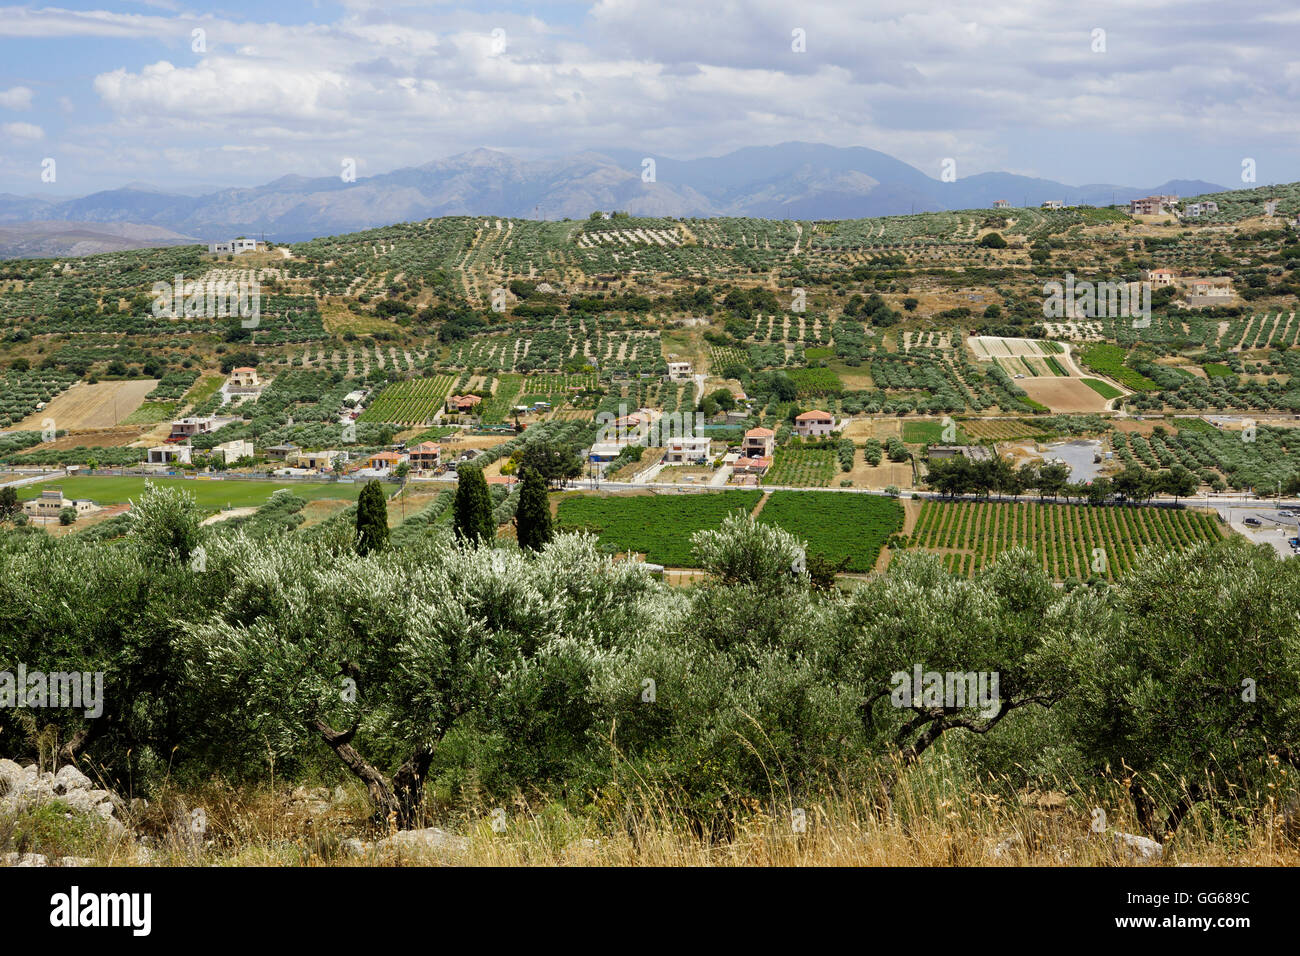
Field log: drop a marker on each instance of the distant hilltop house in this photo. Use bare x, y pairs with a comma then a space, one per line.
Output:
1196, 210
243, 377
1207, 290
183, 428
1159, 278
170, 455
1001, 204
1151, 205
51, 501
1053, 204
814, 424
680, 371
463, 404
234, 247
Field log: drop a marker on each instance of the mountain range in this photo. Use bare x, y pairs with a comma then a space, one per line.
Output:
789, 181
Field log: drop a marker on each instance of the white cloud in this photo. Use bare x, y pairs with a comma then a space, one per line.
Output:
405, 83
23, 131
16, 98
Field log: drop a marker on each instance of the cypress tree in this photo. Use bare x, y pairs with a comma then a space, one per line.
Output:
472, 509
533, 516
372, 518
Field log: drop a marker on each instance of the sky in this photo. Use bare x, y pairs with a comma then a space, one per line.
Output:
183, 98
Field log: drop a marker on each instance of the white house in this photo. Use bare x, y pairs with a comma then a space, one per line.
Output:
234, 247
231, 451
243, 377
692, 448
814, 424
170, 455
1053, 204
680, 371
51, 502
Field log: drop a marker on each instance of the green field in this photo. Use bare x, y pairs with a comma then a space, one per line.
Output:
210, 495
1217, 370
929, 433
836, 525
1109, 361
815, 381
150, 413
1104, 389
658, 526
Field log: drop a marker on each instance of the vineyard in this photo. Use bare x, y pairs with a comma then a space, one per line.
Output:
413, 402
1078, 541
802, 467
836, 525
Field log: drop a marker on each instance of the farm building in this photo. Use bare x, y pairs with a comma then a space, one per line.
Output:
234, 247
1160, 278
51, 501
320, 460
1001, 204
169, 455
287, 453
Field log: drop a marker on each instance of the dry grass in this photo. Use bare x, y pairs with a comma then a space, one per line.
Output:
929, 823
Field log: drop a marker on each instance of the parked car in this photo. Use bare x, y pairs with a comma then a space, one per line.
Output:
1253, 522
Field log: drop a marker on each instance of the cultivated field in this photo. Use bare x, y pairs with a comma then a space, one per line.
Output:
102, 405
1078, 541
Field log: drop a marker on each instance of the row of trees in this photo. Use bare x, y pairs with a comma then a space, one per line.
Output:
486, 670
962, 476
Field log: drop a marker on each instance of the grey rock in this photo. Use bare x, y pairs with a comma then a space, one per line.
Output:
354, 847
430, 840
1139, 849
69, 778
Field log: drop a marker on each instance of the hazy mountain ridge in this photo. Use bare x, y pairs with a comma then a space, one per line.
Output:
789, 181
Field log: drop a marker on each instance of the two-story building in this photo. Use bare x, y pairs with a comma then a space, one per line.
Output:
758, 443
814, 424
